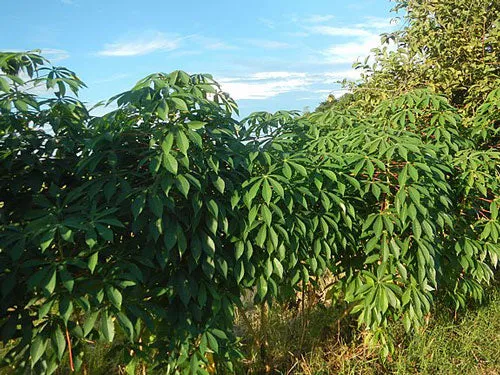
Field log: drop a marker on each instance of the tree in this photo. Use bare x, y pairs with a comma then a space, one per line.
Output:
451, 47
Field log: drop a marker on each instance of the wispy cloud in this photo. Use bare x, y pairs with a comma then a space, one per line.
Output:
265, 85
333, 77
345, 53
318, 18
377, 23
212, 44
142, 45
339, 31
68, 2
275, 75
255, 90
298, 34
55, 54
267, 44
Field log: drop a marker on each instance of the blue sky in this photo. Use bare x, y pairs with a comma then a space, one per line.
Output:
268, 55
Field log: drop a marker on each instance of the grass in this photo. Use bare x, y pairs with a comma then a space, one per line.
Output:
316, 339
313, 344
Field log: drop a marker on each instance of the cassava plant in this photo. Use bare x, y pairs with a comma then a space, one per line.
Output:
143, 227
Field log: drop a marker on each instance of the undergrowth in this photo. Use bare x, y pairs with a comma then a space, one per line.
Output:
313, 340
317, 339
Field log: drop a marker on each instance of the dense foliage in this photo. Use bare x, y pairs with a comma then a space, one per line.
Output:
449, 46
155, 218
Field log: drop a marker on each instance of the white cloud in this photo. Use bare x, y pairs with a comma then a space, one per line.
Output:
298, 34
68, 2
142, 45
267, 44
339, 31
344, 53
335, 93
363, 29
276, 75
213, 44
264, 85
377, 23
318, 18
262, 90
333, 77
54, 55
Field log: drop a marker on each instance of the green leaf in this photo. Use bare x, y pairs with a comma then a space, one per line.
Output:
60, 342
66, 233
138, 205
212, 342
299, 168
162, 110
278, 268
167, 143
182, 142
378, 226
266, 191
114, 296
107, 326
50, 283
261, 236
239, 248
104, 232
65, 308
45, 308
268, 268
213, 208
220, 185
417, 229
155, 205
67, 279
414, 195
4, 86
179, 104
170, 163
91, 238
92, 261
46, 240
38, 346
266, 214
287, 171
89, 322
182, 185
195, 125
239, 271
127, 325
494, 210
261, 287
